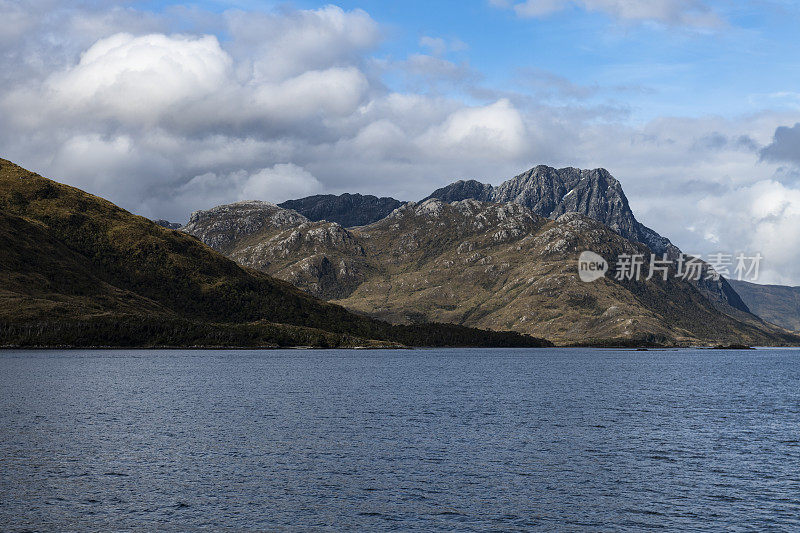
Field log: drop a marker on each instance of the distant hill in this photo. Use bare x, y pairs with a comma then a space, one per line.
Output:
167, 224
78, 270
479, 264
345, 209
778, 304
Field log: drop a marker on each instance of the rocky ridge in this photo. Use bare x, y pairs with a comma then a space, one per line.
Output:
552, 192
321, 257
498, 266
346, 209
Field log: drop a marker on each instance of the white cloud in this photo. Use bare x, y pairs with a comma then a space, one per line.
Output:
279, 183
479, 132
335, 91
140, 78
692, 13
178, 82
758, 218
279, 46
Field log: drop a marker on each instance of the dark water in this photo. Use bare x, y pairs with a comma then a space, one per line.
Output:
425, 440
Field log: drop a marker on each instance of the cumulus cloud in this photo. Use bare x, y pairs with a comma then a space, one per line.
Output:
179, 82
140, 118
136, 79
759, 218
479, 132
275, 46
692, 13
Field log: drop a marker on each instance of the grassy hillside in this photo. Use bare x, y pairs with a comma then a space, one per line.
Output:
76, 269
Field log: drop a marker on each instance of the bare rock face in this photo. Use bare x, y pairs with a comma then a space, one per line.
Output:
224, 225
322, 258
552, 192
346, 209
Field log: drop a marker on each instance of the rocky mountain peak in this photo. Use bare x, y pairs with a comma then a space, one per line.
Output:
220, 226
167, 224
346, 209
551, 192
462, 190
595, 193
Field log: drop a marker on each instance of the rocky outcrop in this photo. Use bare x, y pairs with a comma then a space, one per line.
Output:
322, 258
225, 225
346, 209
552, 192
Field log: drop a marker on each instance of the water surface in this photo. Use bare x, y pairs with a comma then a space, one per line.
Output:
408, 440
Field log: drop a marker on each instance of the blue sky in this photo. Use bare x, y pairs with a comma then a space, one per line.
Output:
165, 108
749, 62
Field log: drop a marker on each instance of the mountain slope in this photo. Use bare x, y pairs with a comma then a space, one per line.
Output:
497, 266
463, 190
346, 209
320, 257
39, 274
778, 304
551, 192
77, 265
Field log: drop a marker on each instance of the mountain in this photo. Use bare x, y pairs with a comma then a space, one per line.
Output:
346, 209
463, 190
478, 264
320, 257
778, 304
552, 192
78, 270
167, 224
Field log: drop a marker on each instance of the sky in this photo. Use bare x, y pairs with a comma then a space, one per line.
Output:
166, 108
